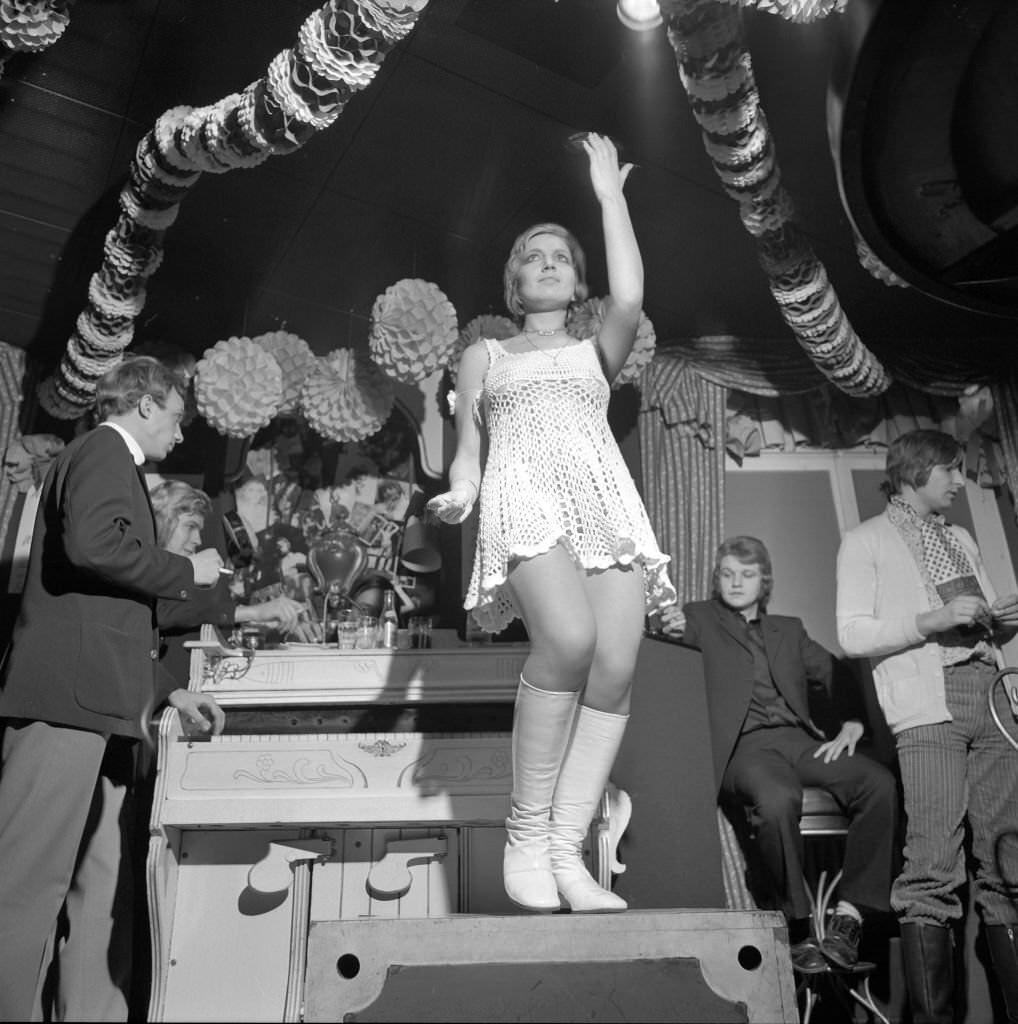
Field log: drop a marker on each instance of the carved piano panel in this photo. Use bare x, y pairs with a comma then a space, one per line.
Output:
347, 785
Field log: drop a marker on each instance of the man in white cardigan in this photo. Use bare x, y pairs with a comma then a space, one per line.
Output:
914, 597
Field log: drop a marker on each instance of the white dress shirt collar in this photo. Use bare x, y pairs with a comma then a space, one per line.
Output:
135, 449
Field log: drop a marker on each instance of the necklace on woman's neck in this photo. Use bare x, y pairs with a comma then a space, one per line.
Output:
545, 334
553, 356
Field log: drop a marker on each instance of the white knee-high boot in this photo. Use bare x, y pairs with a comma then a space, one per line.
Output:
541, 724
595, 742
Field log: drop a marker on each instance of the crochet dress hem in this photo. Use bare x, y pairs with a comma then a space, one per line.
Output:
494, 610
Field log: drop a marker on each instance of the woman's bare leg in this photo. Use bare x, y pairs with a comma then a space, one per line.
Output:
617, 602
549, 592
553, 597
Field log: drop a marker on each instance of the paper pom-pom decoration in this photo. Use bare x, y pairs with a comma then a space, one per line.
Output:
295, 359
346, 397
413, 330
584, 321
32, 25
238, 387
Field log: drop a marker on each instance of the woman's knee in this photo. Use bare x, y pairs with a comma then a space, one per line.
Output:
613, 667
569, 649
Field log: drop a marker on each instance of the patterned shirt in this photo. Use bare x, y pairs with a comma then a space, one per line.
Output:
947, 573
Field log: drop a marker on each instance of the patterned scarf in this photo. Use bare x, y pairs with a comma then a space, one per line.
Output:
946, 570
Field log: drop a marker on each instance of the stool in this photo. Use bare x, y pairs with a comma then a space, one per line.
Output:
822, 816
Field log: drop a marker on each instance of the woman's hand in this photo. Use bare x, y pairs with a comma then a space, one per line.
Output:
282, 613
455, 504
307, 631
606, 176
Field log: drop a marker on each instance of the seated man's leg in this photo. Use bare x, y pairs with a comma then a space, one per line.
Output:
761, 776
868, 794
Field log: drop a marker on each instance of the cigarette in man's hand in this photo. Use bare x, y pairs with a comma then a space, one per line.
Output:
224, 571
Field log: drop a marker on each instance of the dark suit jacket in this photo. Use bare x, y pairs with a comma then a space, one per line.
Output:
84, 648
795, 661
180, 621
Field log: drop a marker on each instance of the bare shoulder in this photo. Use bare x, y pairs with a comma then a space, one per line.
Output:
475, 354
473, 366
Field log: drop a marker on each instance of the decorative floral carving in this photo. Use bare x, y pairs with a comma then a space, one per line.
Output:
381, 748
301, 771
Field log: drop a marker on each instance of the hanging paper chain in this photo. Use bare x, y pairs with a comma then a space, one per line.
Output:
338, 51
794, 10
716, 71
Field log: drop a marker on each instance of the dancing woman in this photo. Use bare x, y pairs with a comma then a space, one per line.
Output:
564, 541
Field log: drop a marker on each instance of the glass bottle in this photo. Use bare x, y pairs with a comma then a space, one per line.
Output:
388, 621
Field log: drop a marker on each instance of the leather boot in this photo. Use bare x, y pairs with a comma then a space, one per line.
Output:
1002, 940
581, 784
928, 955
541, 724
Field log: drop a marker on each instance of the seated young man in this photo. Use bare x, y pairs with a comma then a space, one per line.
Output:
758, 669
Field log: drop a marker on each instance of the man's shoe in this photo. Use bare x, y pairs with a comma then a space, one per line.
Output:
807, 958
841, 941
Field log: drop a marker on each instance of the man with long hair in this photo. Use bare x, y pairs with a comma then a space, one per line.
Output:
915, 598
759, 668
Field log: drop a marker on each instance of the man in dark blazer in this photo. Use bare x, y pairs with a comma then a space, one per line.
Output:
759, 669
77, 686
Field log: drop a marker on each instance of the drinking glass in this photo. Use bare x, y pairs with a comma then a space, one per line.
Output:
420, 631
367, 632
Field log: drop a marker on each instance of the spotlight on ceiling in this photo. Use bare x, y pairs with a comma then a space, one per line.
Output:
639, 15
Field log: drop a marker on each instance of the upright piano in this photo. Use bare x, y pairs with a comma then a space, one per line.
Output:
362, 784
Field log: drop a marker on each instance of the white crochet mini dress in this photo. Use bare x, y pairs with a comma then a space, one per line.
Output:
554, 474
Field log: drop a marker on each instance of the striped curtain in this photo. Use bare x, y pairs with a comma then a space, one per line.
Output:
682, 453
682, 460
12, 386
1005, 401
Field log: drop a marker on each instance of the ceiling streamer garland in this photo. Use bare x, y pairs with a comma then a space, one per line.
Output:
794, 10
28, 26
339, 48
717, 73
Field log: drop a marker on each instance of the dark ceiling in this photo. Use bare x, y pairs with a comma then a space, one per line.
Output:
459, 143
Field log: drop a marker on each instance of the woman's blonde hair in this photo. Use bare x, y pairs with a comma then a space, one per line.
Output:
171, 501
511, 275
